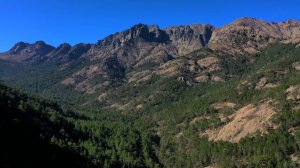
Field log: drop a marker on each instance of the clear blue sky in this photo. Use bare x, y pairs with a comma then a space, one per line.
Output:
74, 21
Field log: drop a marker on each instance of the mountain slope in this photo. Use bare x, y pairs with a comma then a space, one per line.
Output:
27, 124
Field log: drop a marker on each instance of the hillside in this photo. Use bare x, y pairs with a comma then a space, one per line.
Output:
28, 125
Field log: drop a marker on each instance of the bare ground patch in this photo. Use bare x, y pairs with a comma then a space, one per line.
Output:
248, 120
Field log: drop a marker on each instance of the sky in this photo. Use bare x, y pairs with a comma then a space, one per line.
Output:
75, 21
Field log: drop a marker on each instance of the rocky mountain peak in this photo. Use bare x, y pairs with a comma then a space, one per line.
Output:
292, 22
41, 47
60, 51
249, 35
40, 43
248, 22
18, 47
148, 33
64, 48
25, 51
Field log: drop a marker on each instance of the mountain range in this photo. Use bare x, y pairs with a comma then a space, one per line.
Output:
182, 96
141, 45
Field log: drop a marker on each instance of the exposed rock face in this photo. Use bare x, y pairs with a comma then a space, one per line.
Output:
60, 51
296, 65
209, 63
40, 51
202, 78
250, 35
293, 93
133, 45
78, 50
223, 105
17, 48
189, 38
247, 121
28, 52
65, 52
143, 43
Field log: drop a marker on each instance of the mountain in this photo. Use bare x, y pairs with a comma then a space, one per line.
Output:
183, 96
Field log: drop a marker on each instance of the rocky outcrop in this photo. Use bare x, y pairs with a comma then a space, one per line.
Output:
141, 44
189, 38
296, 66
223, 105
35, 52
18, 47
293, 93
65, 52
60, 51
246, 121
264, 83
250, 35
78, 50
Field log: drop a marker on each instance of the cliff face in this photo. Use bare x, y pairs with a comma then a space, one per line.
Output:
189, 38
